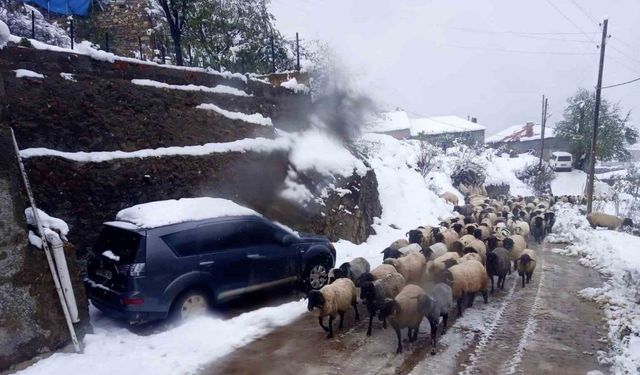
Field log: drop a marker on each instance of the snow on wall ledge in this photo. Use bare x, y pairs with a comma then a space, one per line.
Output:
218, 89
255, 118
243, 145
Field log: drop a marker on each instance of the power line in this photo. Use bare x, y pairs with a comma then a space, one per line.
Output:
585, 12
515, 32
625, 54
622, 83
570, 20
521, 35
561, 53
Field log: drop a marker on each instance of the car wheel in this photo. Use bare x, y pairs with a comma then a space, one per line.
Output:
189, 305
317, 274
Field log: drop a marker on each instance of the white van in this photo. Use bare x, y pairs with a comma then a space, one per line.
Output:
561, 161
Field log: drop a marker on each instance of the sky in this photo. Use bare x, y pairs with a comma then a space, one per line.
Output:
490, 59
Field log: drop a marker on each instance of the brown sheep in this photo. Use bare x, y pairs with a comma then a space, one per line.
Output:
515, 244
332, 300
412, 267
466, 279
600, 219
526, 265
450, 197
402, 312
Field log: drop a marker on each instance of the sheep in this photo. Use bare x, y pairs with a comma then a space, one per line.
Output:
478, 247
526, 265
373, 293
435, 250
470, 255
423, 236
352, 270
498, 264
441, 263
331, 300
515, 244
402, 312
457, 227
377, 273
470, 241
600, 219
483, 232
411, 248
521, 228
549, 221
435, 304
466, 279
450, 197
537, 228
448, 237
391, 253
412, 266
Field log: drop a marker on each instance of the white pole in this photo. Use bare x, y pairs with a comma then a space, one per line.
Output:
45, 246
57, 248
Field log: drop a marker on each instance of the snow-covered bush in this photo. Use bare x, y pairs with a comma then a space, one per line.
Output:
468, 172
538, 177
18, 17
427, 157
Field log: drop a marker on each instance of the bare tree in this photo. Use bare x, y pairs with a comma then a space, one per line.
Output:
176, 13
426, 156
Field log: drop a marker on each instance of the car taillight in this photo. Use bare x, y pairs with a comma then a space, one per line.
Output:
134, 269
132, 301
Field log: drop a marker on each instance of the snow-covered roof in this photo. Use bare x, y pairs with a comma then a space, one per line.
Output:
561, 153
635, 147
159, 213
517, 133
399, 120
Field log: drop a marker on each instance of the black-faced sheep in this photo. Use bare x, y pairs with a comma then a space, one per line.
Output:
411, 248
435, 304
515, 244
435, 250
373, 293
352, 270
402, 312
498, 264
522, 228
600, 219
466, 279
331, 300
526, 265
441, 263
377, 273
412, 266
537, 228
549, 221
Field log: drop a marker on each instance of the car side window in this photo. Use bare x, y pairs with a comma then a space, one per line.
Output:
221, 236
183, 243
259, 233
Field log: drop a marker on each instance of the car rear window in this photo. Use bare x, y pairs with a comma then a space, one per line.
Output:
124, 244
564, 158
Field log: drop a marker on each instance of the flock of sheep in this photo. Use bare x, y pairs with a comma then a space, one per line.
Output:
423, 275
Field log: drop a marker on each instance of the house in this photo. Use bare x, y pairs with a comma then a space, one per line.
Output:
440, 130
527, 137
635, 151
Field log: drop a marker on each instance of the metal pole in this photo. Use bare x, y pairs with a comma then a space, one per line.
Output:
273, 55
162, 54
106, 41
140, 47
545, 106
541, 136
297, 53
596, 115
71, 31
33, 25
45, 246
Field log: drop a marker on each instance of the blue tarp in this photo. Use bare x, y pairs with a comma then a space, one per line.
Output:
77, 7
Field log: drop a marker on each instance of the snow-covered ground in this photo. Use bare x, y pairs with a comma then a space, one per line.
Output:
569, 183
615, 255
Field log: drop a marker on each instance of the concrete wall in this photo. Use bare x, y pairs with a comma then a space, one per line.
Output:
448, 139
550, 145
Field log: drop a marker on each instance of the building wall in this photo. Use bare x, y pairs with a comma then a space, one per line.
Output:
550, 145
447, 139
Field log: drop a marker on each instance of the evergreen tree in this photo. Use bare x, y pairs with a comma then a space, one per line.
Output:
614, 130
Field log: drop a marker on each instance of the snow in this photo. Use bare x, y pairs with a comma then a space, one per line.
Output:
22, 73
218, 89
315, 150
4, 34
510, 134
255, 118
48, 222
293, 84
389, 121
615, 255
569, 183
295, 191
68, 77
442, 125
242, 145
159, 213
501, 170
113, 349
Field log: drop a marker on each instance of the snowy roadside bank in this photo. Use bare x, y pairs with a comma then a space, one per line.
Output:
615, 255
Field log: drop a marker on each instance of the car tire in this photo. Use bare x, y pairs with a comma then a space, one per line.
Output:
190, 304
316, 274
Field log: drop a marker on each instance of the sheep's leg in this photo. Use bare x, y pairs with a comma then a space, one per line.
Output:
460, 303
485, 295
523, 277
355, 307
445, 318
529, 274
384, 323
470, 298
414, 336
399, 349
330, 335
320, 320
341, 320
491, 277
370, 323
434, 334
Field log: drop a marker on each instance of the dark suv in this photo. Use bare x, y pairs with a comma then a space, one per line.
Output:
180, 269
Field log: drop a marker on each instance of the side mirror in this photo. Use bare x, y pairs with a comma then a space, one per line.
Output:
288, 239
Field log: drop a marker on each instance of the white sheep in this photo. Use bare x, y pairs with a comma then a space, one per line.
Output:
521, 228
402, 312
352, 270
331, 300
435, 304
412, 266
515, 244
450, 197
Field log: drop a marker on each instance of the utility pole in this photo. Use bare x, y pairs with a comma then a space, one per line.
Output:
297, 53
594, 140
543, 124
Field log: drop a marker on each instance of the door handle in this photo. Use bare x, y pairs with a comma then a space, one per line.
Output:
255, 256
207, 263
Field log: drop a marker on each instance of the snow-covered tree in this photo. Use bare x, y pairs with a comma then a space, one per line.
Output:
614, 130
18, 17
